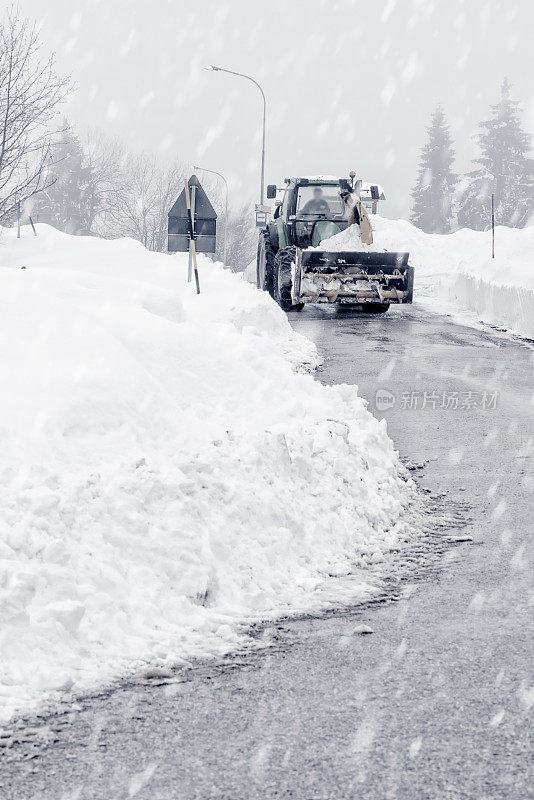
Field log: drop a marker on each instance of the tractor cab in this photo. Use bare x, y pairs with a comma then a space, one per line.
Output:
310, 211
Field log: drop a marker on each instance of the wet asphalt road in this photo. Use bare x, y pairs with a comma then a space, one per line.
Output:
437, 703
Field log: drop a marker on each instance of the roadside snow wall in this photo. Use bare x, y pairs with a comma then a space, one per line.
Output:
169, 470
459, 268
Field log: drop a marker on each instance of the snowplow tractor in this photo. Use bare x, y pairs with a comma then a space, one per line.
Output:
295, 270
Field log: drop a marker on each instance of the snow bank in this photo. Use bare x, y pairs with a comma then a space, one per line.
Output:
459, 267
167, 473
250, 272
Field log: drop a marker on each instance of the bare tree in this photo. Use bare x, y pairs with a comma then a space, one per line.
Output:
131, 195
105, 160
242, 237
143, 195
239, 228
30, 94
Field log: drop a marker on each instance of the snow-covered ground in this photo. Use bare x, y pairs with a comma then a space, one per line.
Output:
169, 467
458, 268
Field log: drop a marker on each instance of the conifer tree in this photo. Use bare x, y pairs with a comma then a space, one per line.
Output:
434, 189
504, 169
65, 203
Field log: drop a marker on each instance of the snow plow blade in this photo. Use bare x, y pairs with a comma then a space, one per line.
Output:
323, 261
355, 277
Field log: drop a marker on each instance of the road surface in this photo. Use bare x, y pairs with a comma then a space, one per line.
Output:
437, 702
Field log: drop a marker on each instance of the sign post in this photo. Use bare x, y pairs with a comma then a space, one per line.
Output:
192, 225
192, 232
192, 248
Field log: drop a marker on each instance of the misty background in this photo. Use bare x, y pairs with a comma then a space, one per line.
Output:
349, 85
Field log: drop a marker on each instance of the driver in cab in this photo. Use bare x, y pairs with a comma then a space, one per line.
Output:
317, 205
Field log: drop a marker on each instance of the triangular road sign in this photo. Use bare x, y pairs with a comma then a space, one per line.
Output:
205, 221
203, 207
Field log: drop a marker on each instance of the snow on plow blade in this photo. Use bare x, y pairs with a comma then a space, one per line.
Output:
355, 277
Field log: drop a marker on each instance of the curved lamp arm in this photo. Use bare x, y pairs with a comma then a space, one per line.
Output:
255, 82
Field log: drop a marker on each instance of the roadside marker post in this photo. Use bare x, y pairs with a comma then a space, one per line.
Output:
492, 225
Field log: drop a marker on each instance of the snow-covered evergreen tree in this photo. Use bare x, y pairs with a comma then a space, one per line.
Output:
433, 192
65, 204
504, 169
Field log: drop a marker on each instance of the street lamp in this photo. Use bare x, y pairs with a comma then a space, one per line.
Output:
212, 68
213, 172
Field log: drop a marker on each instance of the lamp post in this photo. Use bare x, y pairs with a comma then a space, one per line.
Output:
214, 172
212, 68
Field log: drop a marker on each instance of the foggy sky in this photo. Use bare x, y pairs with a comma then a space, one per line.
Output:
349, 84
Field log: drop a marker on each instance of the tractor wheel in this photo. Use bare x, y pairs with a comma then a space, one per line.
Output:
265, 263
283, 278
375, 308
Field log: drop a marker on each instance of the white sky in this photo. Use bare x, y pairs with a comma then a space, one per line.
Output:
350, 84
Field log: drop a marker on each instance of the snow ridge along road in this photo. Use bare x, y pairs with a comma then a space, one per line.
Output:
458, 268
436, 703
169, 469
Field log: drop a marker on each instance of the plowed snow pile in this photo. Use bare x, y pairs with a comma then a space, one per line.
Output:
458, 267
167, 472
